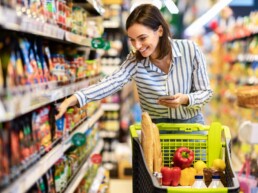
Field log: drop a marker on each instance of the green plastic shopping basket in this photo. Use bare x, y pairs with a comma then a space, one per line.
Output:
207, 142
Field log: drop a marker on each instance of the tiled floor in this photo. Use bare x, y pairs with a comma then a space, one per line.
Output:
120, 186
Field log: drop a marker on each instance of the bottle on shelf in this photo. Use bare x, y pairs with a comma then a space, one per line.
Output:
216, 183
199, 182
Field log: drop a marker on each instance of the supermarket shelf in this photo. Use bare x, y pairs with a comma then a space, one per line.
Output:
12, 20
108, 134
98, 180
94, 7
36, 96
110, 106
25, 181
77, 39
247, 57
111, 24
77, 179
97, 6
28, 178
231, 38
82, 128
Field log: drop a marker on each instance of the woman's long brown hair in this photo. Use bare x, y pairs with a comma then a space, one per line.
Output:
150, 16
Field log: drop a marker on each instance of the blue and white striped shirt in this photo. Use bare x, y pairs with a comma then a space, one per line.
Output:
187, 75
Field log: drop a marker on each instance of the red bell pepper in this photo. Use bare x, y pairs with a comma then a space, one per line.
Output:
176, 175
183, 157
166, 176
170, 176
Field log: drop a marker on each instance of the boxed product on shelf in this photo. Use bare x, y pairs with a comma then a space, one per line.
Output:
24, 140
205, 141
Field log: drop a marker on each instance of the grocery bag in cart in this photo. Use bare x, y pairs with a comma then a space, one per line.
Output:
207, 142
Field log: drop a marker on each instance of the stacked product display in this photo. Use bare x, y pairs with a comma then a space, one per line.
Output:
45, 56
234, 77
233, 65
239, 73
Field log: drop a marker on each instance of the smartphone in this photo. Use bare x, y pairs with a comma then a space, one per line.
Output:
167, 97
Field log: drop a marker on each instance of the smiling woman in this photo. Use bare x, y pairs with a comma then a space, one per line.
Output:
160, 66
145, 40
148, 27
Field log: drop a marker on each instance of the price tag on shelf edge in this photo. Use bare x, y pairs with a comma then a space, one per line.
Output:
78, 139
96, 158
107, 45
98, 43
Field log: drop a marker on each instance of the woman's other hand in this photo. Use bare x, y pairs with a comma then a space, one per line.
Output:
174, 101
71, 101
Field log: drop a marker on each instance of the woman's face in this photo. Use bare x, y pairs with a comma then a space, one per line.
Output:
144, 39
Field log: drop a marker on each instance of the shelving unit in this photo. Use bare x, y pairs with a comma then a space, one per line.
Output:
233, 64
35, 96
108, 134
98, 180
78, 177
13, 20
111, 106
28, 178
22, 100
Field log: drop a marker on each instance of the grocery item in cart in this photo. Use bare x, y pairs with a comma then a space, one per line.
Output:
216, 183
151, 144
199, 182
157, 150
147, 137
207, 142
183, 157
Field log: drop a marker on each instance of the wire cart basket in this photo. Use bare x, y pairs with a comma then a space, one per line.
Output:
207, 142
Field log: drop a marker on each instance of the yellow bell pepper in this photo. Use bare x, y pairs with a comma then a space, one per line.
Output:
187, 176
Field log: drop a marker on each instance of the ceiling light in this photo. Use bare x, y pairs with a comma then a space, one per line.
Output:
170, 6
158, 3
136, 3
195, 27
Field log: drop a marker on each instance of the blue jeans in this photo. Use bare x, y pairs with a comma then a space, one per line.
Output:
196, 119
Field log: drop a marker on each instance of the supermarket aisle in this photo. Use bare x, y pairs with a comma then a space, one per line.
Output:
118, 186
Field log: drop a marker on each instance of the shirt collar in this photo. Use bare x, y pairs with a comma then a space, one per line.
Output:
175, 49
146, 61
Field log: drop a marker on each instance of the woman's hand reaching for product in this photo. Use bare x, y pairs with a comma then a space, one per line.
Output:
71, 101
174, 101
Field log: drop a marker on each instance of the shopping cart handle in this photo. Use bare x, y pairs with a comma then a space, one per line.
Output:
190, 127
